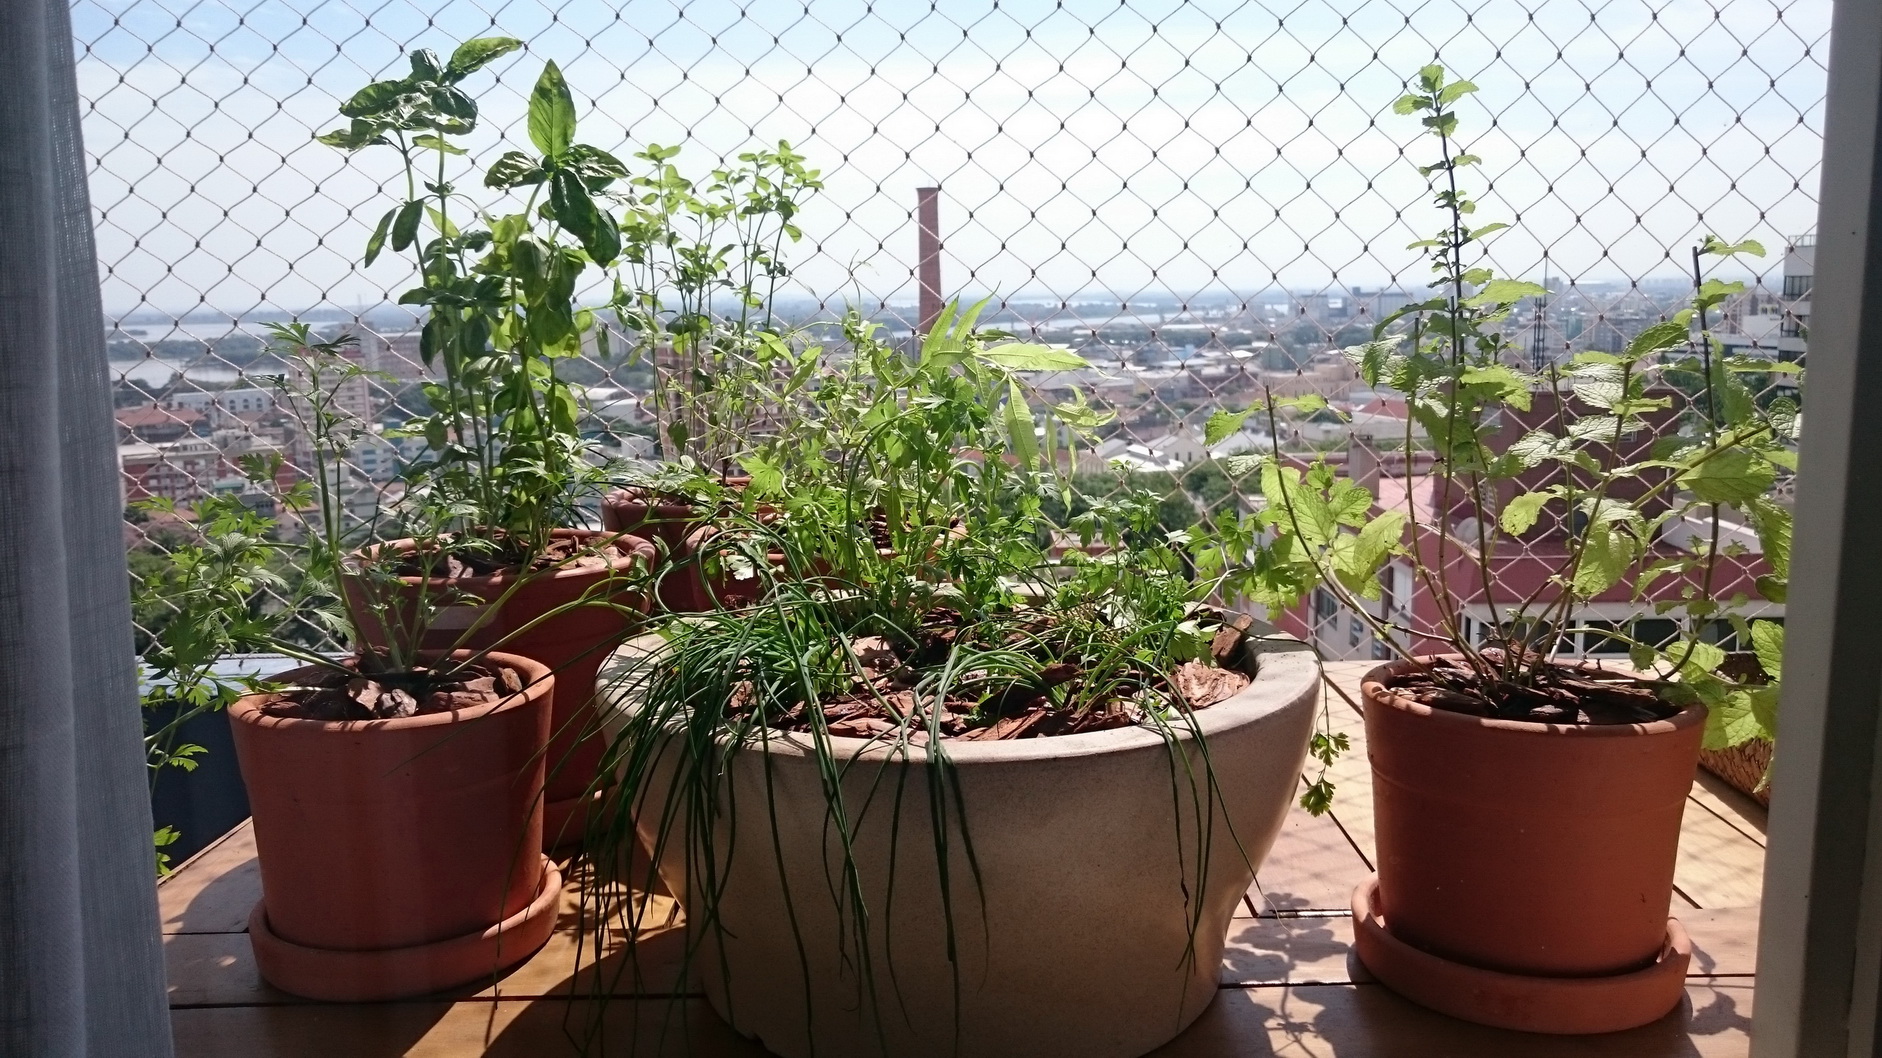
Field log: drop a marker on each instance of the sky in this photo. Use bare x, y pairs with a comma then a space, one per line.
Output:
1085, 148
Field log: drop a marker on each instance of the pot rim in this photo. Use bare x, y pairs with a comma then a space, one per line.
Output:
538, 682
1375, 688
639, 548
1285, 670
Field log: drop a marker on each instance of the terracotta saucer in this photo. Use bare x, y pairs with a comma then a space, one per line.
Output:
1562, 1005
398, 973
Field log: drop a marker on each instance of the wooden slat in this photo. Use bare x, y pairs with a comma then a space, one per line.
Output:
1744, 814
1296, 950
652, 1028
215, 890
1346, 1021
1718, 865
1370, 1021
1724, 940
218, 969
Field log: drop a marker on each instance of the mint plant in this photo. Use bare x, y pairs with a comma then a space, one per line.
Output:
1577, 470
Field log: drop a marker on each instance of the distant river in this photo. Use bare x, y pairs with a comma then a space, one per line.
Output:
155, 371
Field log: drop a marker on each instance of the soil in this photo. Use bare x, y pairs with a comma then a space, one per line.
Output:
883, 699
561, 554
336, 695
1555, 694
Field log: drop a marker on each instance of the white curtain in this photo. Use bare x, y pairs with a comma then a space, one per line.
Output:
81, 966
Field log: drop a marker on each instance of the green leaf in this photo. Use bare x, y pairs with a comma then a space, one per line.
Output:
1773, 523
1222, 423
1604, 559
1019, 426
453, 103
405, 225
1538, 446
1767, 641
474, 55
1663, 335
1372, 358
1305, 404
1408, 104
939, 339
1719, 248
1732, 722
767, 478
378, 240
1503, 381
1242, 464
1026, 356
597, 167
1372, 545
1704, 659
1505, 292
1454, 91
1317, 798
514, 169
1732, 476
437, 143
361, 133
1520, 513
425, 66
376, 100
551, 113
569, 201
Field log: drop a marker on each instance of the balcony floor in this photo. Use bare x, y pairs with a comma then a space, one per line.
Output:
1290, 986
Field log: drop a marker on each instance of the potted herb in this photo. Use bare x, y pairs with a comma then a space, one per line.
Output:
199, 601
701, 262
505, 456
922, 768
396, 792
1527, 805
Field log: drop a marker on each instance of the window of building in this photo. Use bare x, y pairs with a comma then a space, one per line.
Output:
1797, 286
1326, 610
1656, 631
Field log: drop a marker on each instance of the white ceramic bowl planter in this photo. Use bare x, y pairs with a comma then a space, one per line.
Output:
1090, 942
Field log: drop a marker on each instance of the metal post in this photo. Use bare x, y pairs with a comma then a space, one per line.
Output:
1820, 946
928, 216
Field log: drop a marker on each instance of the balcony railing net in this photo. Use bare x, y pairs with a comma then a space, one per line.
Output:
1208, 199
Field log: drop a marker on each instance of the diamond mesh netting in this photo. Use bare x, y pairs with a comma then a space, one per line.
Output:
1208, 199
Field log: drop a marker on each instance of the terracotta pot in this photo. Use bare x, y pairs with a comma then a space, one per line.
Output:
669, 524
398, 857
572, 644
1089, 864
1525, 848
